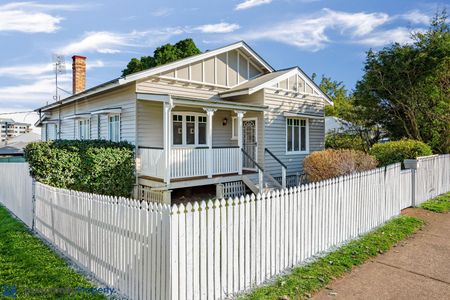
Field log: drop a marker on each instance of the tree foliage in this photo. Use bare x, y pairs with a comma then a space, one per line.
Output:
362, 134
406, 88
397, 151
162, 55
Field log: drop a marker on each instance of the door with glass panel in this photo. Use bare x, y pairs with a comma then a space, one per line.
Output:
250, 144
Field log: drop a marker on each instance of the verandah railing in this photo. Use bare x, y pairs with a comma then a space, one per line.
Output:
189, 162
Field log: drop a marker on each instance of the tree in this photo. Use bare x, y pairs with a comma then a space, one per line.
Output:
362, 135
406, 88
342, 101
162, 55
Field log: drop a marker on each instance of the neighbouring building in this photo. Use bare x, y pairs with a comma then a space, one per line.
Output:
224, 117
10, 128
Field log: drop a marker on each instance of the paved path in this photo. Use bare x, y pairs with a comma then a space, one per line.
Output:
417, 268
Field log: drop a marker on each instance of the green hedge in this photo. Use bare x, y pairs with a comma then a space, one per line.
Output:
344, 141
398, 151
93, 166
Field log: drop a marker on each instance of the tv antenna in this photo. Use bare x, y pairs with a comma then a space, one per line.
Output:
60, 69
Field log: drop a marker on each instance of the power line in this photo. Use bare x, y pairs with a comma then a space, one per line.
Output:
18, 112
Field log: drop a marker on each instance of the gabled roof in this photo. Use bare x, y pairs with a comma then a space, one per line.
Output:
192, 59
160, 69
268, 80
255, 84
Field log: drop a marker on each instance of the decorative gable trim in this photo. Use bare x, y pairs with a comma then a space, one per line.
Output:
193, 59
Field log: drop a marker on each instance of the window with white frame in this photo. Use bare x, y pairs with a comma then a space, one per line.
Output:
297, 135
188, 129
84, 126
114, 128
52, 130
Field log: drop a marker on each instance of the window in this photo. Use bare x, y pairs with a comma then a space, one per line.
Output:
114, 128
202, 130
188, 129
297, 135
84, 129
52, 130
177, 130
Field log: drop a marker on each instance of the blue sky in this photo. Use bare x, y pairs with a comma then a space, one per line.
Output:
325, 37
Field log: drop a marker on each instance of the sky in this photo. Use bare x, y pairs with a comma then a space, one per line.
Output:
323, 37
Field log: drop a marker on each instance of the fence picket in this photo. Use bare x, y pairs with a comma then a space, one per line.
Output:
214, 250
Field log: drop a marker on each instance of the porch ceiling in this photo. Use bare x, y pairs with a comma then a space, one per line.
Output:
206, 103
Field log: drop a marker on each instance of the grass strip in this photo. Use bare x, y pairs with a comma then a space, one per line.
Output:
440, 204
29, 269
303, 281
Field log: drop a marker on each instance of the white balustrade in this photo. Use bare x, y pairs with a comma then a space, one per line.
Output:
189, 162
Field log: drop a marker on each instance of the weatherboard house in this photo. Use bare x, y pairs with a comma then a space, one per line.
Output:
224, 117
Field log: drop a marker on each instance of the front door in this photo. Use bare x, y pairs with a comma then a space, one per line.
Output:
250, 144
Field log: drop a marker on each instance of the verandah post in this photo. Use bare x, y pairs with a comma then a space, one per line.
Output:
210, 113
240, 116
166, 138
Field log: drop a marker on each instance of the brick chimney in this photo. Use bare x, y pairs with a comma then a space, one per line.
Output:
78, 73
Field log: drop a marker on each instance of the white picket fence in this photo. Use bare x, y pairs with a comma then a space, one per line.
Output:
214, 250
16, 190
224, 247
432, 177
124, 243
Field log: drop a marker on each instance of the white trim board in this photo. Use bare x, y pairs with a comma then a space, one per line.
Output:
270, 83
107, 111
193, 59
78, 116
300, 115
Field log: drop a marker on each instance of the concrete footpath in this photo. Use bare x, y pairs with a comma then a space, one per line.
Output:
417, 268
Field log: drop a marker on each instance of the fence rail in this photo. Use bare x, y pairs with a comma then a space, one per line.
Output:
213, 250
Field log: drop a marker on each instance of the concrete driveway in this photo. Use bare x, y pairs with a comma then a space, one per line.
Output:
417, 268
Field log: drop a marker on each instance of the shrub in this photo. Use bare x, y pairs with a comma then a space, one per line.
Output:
321, 165
398, 151
93, 166
344, 141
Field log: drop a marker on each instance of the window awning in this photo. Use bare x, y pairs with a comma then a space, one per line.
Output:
106, 111
78, 116
302, 115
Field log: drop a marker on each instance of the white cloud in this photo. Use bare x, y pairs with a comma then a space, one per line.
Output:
31, 17
222, 27
416, 17
29, 96
161, 12
101, 41
312, 32
399, 35
25, 70
251, 3
30, 71
107, 42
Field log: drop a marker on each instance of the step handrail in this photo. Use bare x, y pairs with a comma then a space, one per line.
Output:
283, 167
249, 157
276, 158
